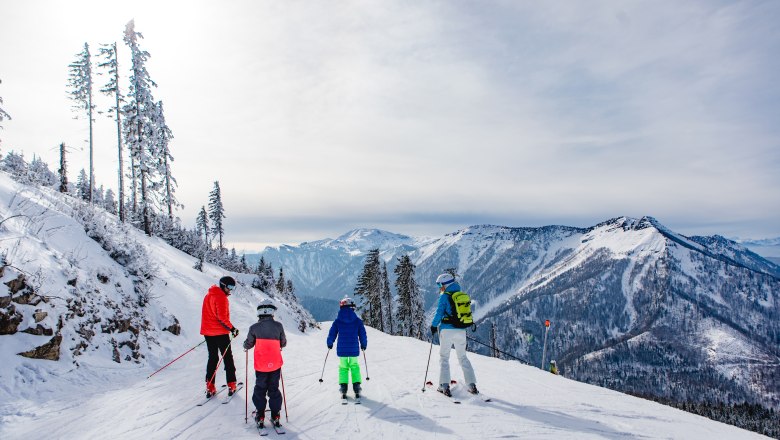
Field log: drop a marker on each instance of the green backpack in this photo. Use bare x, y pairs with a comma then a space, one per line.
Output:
461, 304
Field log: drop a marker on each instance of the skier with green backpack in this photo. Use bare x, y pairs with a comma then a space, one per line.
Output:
452, 318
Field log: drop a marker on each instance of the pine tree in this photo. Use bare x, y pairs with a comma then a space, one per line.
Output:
3, 114
108, 53
216, 214
410, 313
80, 81
290, 290
387, 302
139, 125
109, 203
281, 284
202, 225
82, 185
63, 171
368, 291
164, 159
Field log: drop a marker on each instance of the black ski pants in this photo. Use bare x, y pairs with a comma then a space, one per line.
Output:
267, 383
218, 345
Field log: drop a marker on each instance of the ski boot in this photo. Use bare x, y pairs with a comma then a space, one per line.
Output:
473, 388
445, 389
211, 389
343, 390
231, 388
259, 420
356, 388
276, 420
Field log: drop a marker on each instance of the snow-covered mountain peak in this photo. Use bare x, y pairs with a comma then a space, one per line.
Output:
365, 239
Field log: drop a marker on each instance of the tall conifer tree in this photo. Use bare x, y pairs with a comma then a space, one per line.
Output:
108, 54
217, 214
410, 313
80, 81
368, 291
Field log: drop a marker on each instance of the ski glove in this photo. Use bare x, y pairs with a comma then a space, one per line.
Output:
330, 346
434, 330
234, 332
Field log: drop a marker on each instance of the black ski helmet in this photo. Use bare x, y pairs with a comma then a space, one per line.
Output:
227, 284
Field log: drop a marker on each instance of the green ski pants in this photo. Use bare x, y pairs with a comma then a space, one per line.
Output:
346, 365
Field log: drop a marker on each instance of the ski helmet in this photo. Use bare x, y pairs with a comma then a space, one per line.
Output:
227, 283
445, 279
347, 302
266, 308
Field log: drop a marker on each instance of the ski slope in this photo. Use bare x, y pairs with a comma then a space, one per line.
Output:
526, 402
92, 397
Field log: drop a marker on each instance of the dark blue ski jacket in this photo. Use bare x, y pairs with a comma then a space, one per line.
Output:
350, 330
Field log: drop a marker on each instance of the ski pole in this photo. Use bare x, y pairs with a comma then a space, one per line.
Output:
323, 365
220, 359
169, 363
428, 364
284, 397
246, 388
366, 362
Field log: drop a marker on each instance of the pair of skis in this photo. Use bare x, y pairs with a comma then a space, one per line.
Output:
456, 401
226, 399
345, 399
277, 427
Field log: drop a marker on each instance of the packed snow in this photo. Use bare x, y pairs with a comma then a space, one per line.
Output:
91, 396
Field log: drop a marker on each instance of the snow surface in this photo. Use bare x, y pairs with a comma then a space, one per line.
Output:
99, 398
527, 403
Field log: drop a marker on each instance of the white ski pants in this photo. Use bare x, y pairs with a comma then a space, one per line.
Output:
449, 338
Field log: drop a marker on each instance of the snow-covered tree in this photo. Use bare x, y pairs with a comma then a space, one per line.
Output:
82, 185
108, 55
15, 165
387, 302
368, 291
109, 202
202, 224
410, 312
164, 159
281, 283
139, 126
40, 173
63, 171
80, 82
217, 213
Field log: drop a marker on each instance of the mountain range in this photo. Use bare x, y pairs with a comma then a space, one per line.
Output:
634, 306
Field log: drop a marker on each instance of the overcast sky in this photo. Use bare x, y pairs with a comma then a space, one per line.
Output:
424, 117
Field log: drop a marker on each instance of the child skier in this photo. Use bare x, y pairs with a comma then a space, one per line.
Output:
351, 334
267, 337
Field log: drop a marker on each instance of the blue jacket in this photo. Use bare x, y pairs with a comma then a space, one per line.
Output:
348, 328
444, 308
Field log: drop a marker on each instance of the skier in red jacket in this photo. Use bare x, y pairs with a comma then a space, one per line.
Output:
215, 325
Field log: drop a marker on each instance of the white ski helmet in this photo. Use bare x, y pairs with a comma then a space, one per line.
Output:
266, 308
445, 279
347, 302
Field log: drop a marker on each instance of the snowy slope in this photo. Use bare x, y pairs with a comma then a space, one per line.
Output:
527, 403
91, 393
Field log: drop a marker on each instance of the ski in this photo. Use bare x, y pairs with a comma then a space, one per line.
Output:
344, 399
224, 387
357, 400
231, 396
449, 397
278, 427
262, 430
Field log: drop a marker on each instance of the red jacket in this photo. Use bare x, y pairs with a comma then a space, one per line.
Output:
268, 338
215, 317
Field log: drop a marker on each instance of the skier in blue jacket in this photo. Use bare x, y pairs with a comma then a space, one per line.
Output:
351, 334
450, 336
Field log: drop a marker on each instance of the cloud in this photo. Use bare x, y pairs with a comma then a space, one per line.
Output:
316, 116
